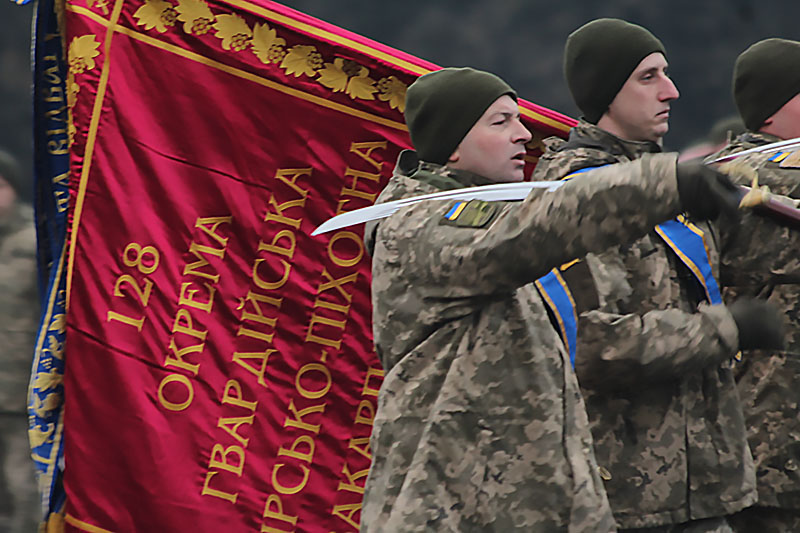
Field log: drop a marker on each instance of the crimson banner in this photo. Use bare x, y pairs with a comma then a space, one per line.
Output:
220, 373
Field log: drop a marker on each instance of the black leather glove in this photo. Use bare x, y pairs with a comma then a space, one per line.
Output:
761, 325
705, 193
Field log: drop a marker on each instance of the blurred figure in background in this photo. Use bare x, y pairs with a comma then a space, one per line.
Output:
19, 319
722, 132
766, 89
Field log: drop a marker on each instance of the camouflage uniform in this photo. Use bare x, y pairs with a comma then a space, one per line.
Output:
653, 364
19, 502
480, 423
769, 381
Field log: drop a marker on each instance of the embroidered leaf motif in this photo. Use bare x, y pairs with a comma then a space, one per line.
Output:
299, 61
150, 15
233, 31
54, 347
51, 401
195, 15
362, 86
264, 39
333, 76
37, 437
393, 91
47, 380
72, 90
81, 53
59, 323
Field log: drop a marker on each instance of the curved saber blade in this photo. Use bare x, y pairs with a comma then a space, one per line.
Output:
489, 193
765, 149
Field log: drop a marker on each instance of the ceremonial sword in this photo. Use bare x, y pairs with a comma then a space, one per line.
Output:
519, 191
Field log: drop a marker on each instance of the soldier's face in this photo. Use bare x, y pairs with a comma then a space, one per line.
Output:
785, 123
640, 111
495, 146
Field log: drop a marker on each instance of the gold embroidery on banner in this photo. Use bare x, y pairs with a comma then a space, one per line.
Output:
80, 56
50, 402
339, 75
234, 32
39, 437
102, 5
91, 136
361, 86
54, 347
158, 14
197, 18
302, 59
285, 89
59, 323
82, 51
267, 46
393, 91
333, 75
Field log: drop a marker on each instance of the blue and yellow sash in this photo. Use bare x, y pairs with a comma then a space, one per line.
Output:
683, 237
556, 294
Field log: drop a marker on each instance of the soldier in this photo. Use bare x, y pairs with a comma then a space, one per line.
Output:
654, 341
480, 423
19, 508
766, 88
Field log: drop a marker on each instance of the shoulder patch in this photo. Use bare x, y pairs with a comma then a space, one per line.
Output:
470, 214
792, 160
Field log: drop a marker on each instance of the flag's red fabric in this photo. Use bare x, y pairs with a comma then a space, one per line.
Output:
220, 372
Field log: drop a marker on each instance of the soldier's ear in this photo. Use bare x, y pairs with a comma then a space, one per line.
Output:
455, 156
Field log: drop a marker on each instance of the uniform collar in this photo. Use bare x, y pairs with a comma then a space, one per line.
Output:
438, 176
586, 135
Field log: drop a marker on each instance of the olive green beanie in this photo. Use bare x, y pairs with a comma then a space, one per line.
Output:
765, 77
442, 106
598, 59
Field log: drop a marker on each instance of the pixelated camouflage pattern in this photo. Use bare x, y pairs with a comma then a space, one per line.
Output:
19, 307
718, 524
480, 423
759, 519
769, 382
653, 364
19, 319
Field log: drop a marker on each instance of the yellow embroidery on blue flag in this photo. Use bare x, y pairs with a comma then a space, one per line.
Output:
453, 213
471, 214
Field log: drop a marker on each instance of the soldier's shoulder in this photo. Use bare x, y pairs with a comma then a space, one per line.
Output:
20, 235
558, 163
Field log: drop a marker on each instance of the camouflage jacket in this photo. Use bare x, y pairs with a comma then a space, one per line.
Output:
769, 381
19, 307
480, 423
653, 365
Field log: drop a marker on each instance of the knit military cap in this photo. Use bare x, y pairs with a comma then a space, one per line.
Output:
598, 59
765, 77
442, 106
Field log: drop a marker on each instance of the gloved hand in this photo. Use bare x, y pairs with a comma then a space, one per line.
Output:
705, 193
761, 325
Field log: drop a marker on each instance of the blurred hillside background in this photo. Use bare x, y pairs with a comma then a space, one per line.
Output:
521, 40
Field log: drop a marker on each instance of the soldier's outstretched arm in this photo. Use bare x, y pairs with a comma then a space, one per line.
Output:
485, 249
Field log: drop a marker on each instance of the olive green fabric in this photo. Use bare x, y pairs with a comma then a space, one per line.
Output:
441, 108
598, 59
765, 77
